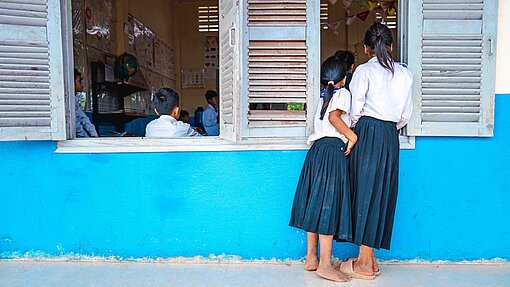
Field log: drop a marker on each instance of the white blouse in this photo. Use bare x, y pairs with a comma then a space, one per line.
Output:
341, 100
379, 94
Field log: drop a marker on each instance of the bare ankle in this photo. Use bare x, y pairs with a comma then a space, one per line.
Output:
312, 257
326, 263
363, 266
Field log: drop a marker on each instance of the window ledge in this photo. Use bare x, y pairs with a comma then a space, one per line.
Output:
407, 142
130, 145
127, 145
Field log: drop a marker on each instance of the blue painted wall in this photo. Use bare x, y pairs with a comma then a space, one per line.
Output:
453, 202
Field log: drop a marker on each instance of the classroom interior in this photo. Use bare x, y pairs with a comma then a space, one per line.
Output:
175, 43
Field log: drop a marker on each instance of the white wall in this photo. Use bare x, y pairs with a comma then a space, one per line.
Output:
503, 49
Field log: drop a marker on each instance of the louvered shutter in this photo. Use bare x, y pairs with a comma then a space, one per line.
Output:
32, 105
452, 55
229, 69
283, 59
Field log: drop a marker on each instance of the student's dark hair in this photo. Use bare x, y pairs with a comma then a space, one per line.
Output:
76, 74
346, 57
379, 39
332, 70
210, 94
165, 100
183, 115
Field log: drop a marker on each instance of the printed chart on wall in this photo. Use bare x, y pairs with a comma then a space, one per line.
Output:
163, 58
211, 57
193, 79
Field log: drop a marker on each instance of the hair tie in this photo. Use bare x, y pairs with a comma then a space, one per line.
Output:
331, 82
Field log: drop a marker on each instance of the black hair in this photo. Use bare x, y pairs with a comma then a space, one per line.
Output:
332, 70
76, 74
379, 39
210, 94
165, 100
346, 57
183, 115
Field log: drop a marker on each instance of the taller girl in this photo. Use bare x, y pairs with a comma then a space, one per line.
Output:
381, 105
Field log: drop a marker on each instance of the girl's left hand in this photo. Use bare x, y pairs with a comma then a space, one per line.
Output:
350, 145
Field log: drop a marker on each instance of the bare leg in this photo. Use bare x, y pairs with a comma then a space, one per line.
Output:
326, 269
364, 264
374, 262
312, 261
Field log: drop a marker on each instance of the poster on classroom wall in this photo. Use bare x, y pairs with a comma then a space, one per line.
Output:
99, 24
211, 62
153, 53
140, 42
192, 79
163, 58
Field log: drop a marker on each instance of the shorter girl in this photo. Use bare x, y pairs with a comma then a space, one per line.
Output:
322, 200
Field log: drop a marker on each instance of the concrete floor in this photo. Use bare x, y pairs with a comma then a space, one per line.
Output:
37, 273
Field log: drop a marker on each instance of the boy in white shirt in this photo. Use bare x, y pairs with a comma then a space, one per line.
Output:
166, 105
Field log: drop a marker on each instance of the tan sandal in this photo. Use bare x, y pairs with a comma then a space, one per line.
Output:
347, 267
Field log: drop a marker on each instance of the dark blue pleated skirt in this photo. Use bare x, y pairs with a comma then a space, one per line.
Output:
322, 199
373, 173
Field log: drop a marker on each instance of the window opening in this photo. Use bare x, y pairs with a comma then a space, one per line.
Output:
388, 20
324, 15
120, 72
208, 19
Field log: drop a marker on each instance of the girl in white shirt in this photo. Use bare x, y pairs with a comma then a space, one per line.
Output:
322, 200
381, 105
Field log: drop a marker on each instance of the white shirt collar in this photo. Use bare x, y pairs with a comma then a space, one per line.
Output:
168, 118
373, 59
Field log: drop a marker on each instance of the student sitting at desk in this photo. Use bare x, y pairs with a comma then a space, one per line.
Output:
210, 116
84, 128
166, 106
184, 117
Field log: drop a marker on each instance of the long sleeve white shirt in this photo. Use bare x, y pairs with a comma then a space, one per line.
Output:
379, 94
167, 127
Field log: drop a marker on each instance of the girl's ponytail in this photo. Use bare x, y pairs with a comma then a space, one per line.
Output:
379, 39
328, 94
332, 72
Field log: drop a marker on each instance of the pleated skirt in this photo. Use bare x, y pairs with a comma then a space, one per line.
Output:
322, 200
373, 171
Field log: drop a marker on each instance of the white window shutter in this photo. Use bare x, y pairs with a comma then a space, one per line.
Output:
283, 58
452, 56
229, 70
32, 101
